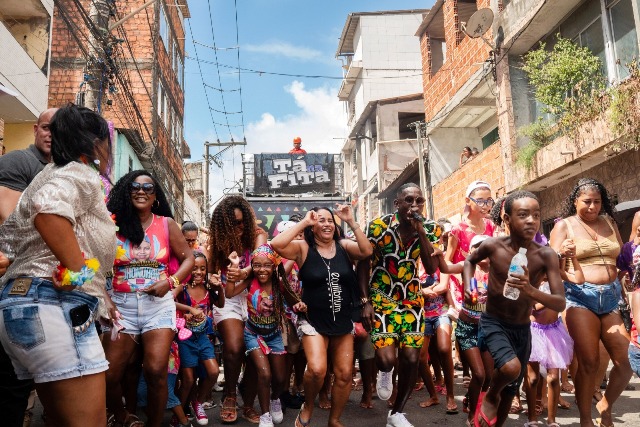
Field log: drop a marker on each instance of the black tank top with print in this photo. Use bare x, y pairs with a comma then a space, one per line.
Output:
327, 290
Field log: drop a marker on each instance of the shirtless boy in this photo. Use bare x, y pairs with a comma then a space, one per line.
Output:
505, 326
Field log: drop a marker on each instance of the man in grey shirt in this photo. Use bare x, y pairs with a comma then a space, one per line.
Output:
17, 170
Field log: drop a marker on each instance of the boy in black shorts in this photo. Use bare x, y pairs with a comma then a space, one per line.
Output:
505, 326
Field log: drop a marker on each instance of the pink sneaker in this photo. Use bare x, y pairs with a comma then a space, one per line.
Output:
201, 416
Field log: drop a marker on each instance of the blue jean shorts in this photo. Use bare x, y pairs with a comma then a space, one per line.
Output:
195, 349
143, 313
172, 400
431, 324
634, 358
273, 341
37, 332
600, 299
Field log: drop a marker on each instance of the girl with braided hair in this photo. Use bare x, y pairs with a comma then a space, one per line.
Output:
262, 334
589, 232
141, 285
233, 229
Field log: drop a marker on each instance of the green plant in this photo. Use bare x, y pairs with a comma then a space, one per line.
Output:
540, 133
624, 111
568, 80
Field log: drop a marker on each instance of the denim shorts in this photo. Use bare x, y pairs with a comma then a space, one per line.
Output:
634, 358
431, 324
37, 333
143, 313
172, 400
273, 342
600, 299
195, 349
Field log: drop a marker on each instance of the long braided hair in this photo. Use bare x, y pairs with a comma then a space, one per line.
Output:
585, 184
223, 237
127, 219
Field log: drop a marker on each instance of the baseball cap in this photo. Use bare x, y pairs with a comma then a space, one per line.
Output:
475, 185
477, 239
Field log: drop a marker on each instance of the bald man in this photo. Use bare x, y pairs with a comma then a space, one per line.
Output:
18, 168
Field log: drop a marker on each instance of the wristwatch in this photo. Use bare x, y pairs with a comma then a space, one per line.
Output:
364, 300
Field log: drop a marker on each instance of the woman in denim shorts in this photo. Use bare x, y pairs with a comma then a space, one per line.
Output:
589, 232
148, 238
233, 228
61, 222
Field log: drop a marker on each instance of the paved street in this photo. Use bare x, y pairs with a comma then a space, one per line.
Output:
627, 412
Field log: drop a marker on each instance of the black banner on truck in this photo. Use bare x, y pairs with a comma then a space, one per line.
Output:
282, 173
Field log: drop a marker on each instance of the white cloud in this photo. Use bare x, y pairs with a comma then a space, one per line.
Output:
320, 122
285, 49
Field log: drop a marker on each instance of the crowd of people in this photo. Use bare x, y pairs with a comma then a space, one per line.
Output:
109, 306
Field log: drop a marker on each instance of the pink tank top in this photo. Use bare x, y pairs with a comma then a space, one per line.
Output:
140, 266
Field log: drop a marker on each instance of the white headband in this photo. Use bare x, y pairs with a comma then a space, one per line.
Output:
475, 185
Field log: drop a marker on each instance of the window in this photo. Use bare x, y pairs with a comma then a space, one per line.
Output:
623, 32
164, 27
438, 54
490, 138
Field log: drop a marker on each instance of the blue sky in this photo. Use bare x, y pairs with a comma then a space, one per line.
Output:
281, 36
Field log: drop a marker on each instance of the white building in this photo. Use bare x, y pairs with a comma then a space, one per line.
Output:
382, 91
25, 41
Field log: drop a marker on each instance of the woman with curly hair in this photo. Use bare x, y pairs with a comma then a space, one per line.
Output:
589, 232
233, 229
147, 238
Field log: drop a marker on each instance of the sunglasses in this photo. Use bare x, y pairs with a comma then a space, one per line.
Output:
147, 187
482, 202
418, 200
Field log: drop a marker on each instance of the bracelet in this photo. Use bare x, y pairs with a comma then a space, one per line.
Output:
560, 256
173, 282
78, 278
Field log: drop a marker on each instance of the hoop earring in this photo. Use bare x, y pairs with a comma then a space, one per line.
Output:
156, 205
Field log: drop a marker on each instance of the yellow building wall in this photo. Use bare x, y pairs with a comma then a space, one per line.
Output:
17, 136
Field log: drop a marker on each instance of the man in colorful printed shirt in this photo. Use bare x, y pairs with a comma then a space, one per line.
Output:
394, 309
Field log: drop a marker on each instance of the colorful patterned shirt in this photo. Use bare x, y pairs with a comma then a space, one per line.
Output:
394, 282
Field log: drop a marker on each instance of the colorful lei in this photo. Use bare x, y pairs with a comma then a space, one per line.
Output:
78, 278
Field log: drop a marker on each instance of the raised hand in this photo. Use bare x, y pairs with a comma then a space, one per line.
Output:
311, 218
343, 212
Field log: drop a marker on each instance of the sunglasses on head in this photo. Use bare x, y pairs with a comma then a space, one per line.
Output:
419, 200
483, 202
147, 187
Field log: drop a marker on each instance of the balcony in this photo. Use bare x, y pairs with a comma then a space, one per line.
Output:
349, 81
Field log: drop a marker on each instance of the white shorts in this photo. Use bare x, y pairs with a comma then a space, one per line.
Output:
234, 308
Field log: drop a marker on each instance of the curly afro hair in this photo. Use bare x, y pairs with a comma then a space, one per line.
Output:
223, 238
127, 219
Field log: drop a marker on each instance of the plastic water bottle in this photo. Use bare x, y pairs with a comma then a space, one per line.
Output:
518, 261
473, 286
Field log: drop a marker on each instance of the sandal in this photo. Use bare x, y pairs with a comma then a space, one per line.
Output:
228, 411
250, 414
299, 422
568, 388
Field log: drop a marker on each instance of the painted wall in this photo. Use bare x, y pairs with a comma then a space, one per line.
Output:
18, 136
446, 146
122, 153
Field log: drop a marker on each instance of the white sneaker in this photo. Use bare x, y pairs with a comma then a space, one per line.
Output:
265, 420
397, 420
275, 409
384, 385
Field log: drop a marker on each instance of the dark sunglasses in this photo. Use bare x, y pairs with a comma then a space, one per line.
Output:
147, 187
419, 200
238, 222
482, 202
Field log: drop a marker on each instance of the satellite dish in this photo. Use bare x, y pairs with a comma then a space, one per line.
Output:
479, 23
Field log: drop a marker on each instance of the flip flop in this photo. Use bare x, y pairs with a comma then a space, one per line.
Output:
487, 421
452, 410
429, 402
299, 422
599, 423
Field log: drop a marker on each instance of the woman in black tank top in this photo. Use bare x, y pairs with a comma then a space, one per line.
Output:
329, 289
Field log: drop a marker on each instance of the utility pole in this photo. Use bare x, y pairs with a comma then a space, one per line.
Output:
425, 182
95, 69
215, 159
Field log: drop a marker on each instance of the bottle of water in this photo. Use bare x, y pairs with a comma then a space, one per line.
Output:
518, 261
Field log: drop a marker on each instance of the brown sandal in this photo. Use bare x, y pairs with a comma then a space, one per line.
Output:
250, 414
228, 412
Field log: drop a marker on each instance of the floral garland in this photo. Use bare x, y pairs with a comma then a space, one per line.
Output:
78, 278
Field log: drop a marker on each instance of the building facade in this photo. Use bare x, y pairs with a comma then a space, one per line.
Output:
139, 85
382, 93
25, 41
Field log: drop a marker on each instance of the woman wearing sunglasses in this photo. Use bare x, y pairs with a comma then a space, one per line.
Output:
147, 238
233, 228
